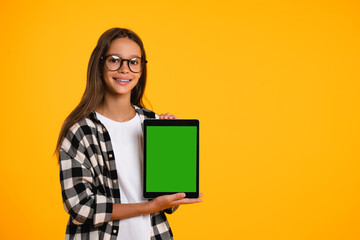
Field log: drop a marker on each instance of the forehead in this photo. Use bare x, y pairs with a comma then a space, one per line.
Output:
124, 47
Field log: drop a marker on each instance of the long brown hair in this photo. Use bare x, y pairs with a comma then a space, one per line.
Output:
95, 86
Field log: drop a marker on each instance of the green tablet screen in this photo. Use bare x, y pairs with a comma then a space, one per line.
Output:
171, 159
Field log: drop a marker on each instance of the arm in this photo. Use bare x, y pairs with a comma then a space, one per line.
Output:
86, 207
121, 211
81, 201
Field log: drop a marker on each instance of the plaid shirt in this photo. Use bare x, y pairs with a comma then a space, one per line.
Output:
89, 182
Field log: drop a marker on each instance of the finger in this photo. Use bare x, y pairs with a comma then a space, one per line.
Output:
186, 201
171, 117
200, 195
167, 115
176, 197
163, 116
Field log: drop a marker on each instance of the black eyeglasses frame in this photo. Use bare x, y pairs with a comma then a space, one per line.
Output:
143, 61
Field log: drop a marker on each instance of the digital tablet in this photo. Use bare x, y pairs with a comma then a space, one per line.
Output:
171, 157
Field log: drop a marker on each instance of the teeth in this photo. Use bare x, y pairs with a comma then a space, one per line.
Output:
122, 80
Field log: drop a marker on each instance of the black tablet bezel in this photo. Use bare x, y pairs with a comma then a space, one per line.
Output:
170, 122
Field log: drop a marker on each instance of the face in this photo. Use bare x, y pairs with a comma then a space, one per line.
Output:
122, 81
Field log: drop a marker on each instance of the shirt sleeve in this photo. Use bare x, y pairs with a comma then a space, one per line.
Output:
171, 210
80, 198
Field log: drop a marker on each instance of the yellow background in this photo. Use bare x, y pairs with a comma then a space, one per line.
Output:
275, 85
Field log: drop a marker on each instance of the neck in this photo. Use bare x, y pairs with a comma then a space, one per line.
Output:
117, 108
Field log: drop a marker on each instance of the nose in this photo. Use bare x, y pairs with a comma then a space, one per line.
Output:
124, 68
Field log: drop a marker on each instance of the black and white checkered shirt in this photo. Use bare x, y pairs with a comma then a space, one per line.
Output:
89, 182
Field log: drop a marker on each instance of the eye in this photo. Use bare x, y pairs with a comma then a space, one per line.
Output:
135, 61
113, 60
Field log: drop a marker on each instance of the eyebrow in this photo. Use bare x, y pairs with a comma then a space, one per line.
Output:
131, 56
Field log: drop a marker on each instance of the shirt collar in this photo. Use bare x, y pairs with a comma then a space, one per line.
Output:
94, 117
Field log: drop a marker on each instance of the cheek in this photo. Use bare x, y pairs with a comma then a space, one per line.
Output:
138, 79
108, 76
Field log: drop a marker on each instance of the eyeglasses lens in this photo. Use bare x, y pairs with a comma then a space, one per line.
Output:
134, 64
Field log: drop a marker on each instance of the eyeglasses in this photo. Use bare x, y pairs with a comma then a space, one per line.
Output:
114, 63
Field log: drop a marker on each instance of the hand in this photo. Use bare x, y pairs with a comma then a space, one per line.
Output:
167, 116
169, 201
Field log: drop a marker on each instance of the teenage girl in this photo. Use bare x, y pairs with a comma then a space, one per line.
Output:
100, 146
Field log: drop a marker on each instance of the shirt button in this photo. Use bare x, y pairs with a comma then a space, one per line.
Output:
114, 231
110, 155
114, 181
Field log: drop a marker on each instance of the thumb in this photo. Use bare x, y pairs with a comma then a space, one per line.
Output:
177, 196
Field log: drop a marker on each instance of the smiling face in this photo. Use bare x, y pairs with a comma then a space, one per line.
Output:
122, 81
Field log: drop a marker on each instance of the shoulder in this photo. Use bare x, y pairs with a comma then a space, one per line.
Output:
145, 112
86, 126
80, 134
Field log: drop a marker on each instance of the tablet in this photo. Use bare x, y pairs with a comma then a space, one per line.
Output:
171, 157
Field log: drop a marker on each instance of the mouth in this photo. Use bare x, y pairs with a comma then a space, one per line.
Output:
122, 80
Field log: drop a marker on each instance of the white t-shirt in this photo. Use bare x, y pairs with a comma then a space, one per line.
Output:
126, 139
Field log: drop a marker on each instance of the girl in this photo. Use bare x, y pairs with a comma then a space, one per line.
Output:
100, 149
